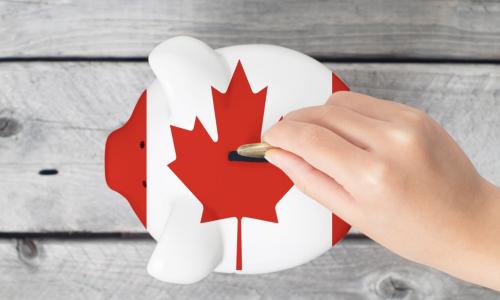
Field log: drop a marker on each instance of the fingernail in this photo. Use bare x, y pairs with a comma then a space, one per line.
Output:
271, 157
268, 156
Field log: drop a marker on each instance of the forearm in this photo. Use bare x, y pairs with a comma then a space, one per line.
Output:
489, 258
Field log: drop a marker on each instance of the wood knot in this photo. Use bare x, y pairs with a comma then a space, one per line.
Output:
28, 252
392, 287
9, 127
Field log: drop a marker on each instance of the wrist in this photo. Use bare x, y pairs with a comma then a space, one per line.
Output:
482, 240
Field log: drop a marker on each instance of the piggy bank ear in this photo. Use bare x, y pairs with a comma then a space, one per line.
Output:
187, 250
187, 69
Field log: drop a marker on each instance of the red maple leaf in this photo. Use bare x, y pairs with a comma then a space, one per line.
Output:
230, 188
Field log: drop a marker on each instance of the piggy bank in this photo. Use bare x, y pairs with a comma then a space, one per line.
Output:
207, 210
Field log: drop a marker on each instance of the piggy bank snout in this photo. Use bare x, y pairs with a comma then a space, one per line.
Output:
125, 160
119, 160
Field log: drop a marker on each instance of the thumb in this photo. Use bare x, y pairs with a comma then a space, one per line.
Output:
314, 183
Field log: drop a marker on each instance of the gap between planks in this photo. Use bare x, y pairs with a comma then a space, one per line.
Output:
323, 59
82, 235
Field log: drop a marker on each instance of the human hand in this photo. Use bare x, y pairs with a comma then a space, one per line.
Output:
394, 173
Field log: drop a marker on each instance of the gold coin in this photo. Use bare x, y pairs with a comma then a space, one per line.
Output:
256, 150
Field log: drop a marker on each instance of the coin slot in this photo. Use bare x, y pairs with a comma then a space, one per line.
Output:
234, 156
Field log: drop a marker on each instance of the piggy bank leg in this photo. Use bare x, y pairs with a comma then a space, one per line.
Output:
187, 250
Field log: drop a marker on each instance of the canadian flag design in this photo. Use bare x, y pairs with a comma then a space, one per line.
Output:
170, 161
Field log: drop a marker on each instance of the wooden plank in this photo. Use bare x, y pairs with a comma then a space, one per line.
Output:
461, 29
58, 115
65, 112
116, 269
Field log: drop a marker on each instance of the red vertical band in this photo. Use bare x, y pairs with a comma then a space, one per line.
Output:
339, 229
339, 226
338, 84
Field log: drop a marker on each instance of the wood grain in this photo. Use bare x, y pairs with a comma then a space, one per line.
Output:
359, 29
58, 115
116, 269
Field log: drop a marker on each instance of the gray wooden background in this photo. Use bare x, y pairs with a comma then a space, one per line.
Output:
71, 71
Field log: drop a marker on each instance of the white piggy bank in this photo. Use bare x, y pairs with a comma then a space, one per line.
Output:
208, 210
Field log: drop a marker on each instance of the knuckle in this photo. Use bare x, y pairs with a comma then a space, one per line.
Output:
411, 128
288, 115
311, 135
293, 114
377, 172
326, 113
404, 137
414, 117
339, 97
305, 113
